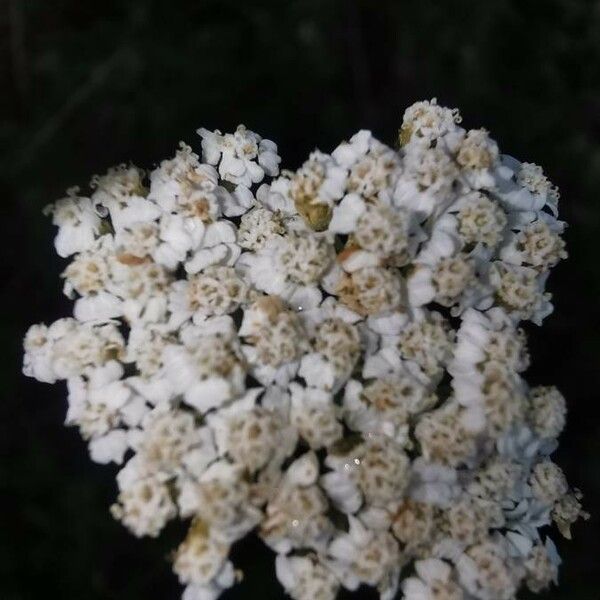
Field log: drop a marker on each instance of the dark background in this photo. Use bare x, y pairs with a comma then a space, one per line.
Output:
88, 84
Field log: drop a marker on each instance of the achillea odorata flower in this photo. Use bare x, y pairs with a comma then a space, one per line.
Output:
330, 357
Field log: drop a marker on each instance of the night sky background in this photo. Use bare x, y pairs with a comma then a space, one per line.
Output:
88, 84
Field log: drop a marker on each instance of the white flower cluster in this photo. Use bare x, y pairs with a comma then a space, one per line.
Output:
332, 359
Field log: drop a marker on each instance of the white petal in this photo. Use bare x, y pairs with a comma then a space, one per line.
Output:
317, 371
346, 214
207, 257
343, 492
304, 470
360, 259
218, 233
420, 286
100, 307
109, 448
207, 394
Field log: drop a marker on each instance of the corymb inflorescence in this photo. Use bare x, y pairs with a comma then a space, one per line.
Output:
330, 357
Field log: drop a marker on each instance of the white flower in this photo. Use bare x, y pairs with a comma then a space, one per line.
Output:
207, 373
215, 291
434, 582
536, 245
276, 196
315, 187
295, 517
37, 361
305, 578
313, 413
101, 403
243, 157
285, 264
426, 121
257, 227
426, 185
385, 405
479, 219
520, 291
330, 357
524, 189
183, 185
252, 435
532, 177
121, 191
542, 566
373, 167
363, 556
67, 348
201, 557
548, 410
78, 223
485, 572
110, 447
144, 506
477, 154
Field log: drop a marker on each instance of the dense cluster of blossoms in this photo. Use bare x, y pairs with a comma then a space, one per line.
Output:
332, 359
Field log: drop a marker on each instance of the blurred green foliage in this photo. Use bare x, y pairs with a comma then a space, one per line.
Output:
89, 84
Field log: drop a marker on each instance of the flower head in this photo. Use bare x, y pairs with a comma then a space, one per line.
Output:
333, 359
